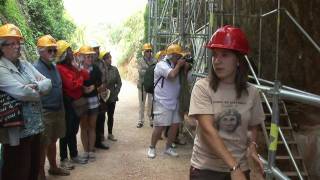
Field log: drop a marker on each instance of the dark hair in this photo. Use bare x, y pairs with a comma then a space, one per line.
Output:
107, 55
67, 59
241, 76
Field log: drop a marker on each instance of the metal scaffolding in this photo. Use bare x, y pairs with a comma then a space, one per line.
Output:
179, 21
191, 23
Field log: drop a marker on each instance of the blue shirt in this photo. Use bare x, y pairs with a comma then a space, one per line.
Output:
52, 101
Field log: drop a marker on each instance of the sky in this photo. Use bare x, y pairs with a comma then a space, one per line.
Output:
94, 14
86, 12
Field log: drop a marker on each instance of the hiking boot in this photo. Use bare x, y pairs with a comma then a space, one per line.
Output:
171, 152
139, 125
151, 152
111, 137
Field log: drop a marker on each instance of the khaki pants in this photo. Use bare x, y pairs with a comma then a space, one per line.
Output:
143, 96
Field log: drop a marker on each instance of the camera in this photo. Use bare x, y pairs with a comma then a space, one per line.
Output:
188, 58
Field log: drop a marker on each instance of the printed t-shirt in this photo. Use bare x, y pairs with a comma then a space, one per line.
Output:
232, 117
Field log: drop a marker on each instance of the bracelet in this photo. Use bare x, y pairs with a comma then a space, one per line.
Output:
255, 144
237, 166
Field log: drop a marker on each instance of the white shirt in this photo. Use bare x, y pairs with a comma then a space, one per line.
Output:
167, 95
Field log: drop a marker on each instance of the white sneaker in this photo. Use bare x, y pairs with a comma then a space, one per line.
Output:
151, 152
171, 152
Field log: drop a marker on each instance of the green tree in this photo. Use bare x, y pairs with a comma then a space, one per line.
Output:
47, 17
36, 18
128, 36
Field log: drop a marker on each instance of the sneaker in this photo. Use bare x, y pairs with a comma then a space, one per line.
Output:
92, 156
85, 156
171, 152
111, 137
151, 152
79, 160
139, 125
102, 146
65, 164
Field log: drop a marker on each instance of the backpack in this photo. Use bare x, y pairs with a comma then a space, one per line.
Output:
148, 80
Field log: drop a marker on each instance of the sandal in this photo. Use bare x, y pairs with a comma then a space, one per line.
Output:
59, 172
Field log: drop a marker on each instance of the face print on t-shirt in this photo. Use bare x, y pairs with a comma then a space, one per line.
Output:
228, 120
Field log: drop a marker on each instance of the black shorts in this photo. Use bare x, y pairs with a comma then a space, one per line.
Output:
204, 174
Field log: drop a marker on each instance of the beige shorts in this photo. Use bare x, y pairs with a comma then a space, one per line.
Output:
54, 126
165, 117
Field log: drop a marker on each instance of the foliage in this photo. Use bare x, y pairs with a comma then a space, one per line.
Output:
47, 17
146, 24
128, 36
36, 18
12, 11
78, 37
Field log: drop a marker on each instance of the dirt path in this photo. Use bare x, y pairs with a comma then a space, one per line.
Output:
127, 158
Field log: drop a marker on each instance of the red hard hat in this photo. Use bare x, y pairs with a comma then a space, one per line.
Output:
229, 37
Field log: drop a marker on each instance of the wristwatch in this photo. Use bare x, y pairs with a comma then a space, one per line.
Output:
237, 166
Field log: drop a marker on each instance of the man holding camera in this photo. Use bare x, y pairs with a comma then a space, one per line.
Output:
166, 98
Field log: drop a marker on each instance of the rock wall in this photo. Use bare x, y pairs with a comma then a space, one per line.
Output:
299, 61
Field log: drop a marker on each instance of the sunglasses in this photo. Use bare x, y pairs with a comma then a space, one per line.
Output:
50, 51
148, 51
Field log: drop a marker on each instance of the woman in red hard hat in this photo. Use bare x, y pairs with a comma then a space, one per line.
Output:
226, 107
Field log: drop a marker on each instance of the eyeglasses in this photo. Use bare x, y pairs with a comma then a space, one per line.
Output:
13, 44
50, 51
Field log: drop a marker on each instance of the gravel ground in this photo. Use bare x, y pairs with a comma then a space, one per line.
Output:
127, 158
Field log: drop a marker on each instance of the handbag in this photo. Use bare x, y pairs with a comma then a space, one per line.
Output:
103, 97
80, 106
10, 111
